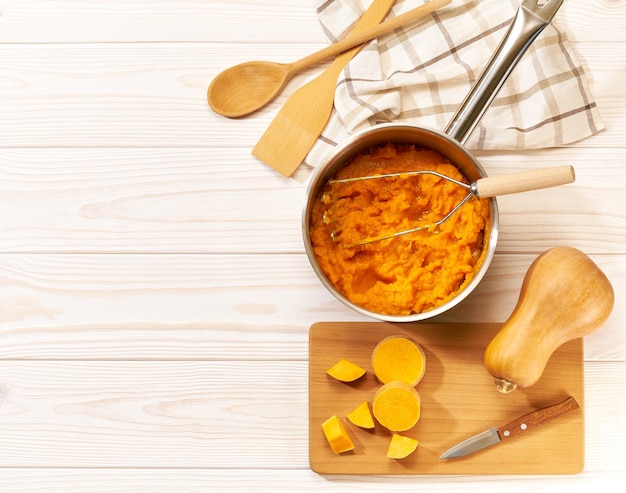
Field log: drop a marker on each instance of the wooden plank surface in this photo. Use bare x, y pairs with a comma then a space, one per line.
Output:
215, 307
134, 414
155, 299
241, 21
459, 400
154, 94
189, 200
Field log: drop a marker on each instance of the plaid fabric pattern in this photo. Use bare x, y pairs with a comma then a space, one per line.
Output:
420, 74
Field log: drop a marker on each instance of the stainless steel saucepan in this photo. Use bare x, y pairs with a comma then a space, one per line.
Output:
531, 18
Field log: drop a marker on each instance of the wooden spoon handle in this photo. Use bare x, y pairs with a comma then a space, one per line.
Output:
524, 181
537, 418
357, 39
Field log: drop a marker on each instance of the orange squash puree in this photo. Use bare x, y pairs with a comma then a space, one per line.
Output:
409, 274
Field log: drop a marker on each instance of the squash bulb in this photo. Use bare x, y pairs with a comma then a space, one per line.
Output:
564, 296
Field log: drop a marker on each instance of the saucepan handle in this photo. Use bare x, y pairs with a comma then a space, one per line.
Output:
530, 20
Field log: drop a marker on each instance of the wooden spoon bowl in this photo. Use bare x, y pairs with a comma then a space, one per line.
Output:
249, 86
246, 87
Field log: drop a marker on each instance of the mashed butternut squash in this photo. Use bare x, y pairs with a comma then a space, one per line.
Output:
412, 273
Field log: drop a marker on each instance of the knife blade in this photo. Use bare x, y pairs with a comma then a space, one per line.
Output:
517, 427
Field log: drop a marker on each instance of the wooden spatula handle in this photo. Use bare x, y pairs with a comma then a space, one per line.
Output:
524, 181
537, 418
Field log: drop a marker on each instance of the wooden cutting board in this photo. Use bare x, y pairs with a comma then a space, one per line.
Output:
459, 400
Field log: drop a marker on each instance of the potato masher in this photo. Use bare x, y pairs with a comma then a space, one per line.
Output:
482, 188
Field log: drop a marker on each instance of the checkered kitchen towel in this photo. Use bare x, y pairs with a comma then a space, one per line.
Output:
420, 74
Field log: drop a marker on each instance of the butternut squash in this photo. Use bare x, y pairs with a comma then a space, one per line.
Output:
362, 417
397, 406
346, 371
564, 296
337, 436
398, 358
401, 446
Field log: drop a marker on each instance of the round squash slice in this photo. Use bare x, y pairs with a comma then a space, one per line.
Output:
398, 358
397, 406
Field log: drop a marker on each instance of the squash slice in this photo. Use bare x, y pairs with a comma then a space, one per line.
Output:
398, 358
362, 417
346, 371
401, 446
397, 406
337, 436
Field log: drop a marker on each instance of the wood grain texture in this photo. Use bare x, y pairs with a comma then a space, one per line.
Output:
224, 307
205, 200
458, 401
208, 21
90, 408
155, 299
137, 414
104, 414
59, 480
540, 417
217, 21
154, 94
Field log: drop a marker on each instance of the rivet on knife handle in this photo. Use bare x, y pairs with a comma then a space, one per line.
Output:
537, 418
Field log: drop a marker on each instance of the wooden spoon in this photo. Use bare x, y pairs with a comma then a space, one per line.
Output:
244, 88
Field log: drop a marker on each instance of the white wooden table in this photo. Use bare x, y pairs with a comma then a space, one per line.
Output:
155, 298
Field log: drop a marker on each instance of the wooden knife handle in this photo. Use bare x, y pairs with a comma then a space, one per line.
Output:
537, 418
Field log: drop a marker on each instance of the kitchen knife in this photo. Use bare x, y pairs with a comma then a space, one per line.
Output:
514, 428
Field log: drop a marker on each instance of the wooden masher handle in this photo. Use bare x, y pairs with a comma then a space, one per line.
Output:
524, 181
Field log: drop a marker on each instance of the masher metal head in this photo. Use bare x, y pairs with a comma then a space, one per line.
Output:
482, 188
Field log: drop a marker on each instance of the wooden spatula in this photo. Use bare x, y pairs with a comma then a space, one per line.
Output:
299, 123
